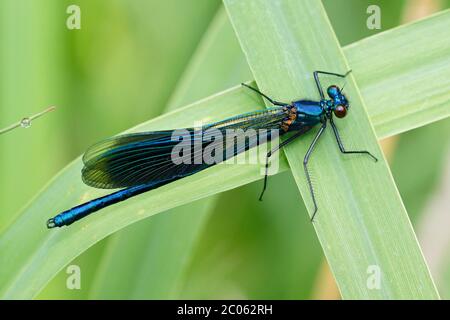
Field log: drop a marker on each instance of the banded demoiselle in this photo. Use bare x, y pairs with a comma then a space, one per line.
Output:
142, 162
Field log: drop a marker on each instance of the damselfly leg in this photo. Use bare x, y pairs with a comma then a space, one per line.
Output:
333, 125
305, 166
271, 152
274, 102
341, 145
317, 80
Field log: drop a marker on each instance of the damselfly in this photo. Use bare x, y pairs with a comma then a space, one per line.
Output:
142, 162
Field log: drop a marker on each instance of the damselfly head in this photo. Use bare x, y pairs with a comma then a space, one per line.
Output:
340, 102
333, 91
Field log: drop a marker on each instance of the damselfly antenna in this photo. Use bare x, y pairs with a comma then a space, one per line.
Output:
26, 122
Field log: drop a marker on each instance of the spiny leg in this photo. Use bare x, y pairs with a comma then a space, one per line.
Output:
317, 80
305, 166
271, 152
341, 145
274, 102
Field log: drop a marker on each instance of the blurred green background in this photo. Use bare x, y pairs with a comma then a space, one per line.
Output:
133, 60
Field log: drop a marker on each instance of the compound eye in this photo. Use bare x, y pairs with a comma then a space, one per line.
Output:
333, 91
340, 111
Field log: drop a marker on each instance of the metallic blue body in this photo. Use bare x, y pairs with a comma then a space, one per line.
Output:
309, 113
70, 216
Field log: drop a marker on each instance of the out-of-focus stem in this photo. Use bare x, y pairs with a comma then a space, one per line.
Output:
26, 122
